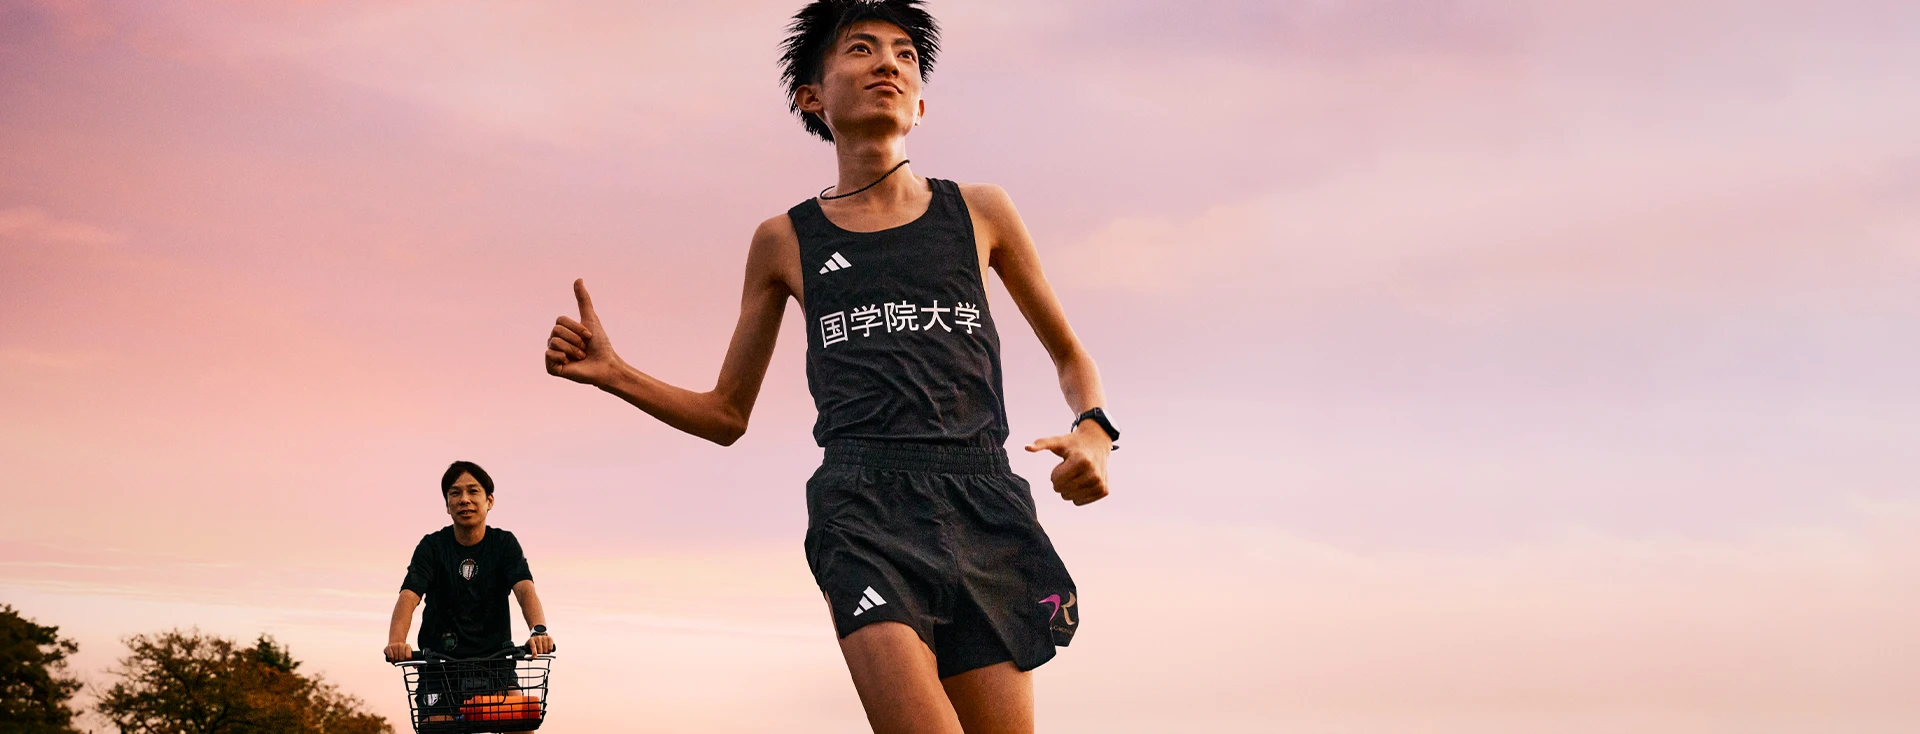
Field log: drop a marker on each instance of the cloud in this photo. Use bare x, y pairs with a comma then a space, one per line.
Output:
25, 225
1222, 627
1504, 227
1801, 622
78, 22
577, 75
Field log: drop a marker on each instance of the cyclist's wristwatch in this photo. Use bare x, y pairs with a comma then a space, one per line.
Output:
539, 630
1099, 417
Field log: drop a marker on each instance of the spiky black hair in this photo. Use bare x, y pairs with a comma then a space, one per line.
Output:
818, 25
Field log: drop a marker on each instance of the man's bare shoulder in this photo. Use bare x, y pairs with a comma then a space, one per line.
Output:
774, 242
995, 219
988, 199
777, 230
774, 255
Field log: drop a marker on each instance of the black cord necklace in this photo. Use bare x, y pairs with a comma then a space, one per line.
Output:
876, 182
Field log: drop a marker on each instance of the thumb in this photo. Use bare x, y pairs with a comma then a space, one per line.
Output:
1056, 444
587, 317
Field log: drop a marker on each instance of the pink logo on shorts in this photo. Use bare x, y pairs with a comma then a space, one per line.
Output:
1054, 601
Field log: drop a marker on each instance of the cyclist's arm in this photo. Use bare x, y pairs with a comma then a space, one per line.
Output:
397, 647
530, 608
535, 615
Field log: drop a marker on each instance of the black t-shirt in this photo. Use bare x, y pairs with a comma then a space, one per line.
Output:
466, 589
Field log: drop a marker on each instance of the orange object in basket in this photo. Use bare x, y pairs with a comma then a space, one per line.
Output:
500, 708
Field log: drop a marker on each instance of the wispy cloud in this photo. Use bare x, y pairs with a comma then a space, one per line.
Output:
22, 226
1798, 621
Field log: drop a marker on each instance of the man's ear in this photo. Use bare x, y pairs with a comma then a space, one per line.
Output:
922, 113
807, 98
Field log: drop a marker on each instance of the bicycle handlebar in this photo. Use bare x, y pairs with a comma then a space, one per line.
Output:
510, 652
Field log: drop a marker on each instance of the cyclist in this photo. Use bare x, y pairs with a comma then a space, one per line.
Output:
464, 572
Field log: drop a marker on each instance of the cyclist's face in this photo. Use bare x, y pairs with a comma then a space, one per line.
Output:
467, 502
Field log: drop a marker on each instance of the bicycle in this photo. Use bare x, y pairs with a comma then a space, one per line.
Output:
502, 691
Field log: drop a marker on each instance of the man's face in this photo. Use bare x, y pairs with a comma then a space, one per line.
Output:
468, 503
870, 82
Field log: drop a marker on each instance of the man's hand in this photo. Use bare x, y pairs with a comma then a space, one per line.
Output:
580, 350
1081, 476
540, 644
399, 652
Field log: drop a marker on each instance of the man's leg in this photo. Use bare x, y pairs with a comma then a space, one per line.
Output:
997, 699
898, 682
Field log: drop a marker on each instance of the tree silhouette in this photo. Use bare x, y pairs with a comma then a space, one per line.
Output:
190, 683
33, 691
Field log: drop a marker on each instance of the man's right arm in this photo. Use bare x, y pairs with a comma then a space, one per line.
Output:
397, 647
580, 350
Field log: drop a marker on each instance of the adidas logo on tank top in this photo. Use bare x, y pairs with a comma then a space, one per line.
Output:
837, 262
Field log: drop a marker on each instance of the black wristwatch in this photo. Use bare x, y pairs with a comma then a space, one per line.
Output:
539, 630
1099, 417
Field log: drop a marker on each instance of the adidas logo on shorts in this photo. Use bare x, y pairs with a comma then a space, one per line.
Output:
869, 600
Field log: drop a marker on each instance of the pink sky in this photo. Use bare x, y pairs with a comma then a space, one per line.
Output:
1486, 366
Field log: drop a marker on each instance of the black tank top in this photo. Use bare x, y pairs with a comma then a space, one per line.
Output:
899, 343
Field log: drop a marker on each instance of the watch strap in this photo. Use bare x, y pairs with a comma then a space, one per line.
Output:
1099, 417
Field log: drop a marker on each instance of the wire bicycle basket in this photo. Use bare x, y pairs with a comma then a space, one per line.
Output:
502, 692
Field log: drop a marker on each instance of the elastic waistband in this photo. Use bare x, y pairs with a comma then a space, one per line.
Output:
925, 457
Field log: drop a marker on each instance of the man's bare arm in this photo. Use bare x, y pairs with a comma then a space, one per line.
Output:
1081, 476
397, 647
534, 614
580, 350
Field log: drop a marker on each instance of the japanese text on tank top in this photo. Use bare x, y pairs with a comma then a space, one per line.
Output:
900, 317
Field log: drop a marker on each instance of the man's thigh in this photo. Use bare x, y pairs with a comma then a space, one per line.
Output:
898, 682
997, 699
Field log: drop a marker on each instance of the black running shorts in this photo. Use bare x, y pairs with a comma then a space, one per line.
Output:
945, 540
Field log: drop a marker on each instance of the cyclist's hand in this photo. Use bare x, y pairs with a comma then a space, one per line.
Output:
399, 652
540, 644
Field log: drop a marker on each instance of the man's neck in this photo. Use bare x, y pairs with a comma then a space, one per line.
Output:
863, 162
469, 536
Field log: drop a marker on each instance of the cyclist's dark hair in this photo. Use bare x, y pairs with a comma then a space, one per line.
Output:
465, 467
818, 25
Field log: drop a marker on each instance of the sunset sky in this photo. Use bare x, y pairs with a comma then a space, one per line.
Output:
1485, 366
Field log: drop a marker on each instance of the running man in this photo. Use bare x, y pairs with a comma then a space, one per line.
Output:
944, 589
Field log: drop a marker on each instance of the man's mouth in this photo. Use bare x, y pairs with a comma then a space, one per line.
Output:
885, 85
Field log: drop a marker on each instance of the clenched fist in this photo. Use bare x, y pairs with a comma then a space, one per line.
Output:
1081, 476
398, 652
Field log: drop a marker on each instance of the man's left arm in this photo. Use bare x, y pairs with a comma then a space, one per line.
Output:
535, 615
1081, 476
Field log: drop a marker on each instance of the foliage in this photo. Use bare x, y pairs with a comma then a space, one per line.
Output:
191, 683
33, 690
